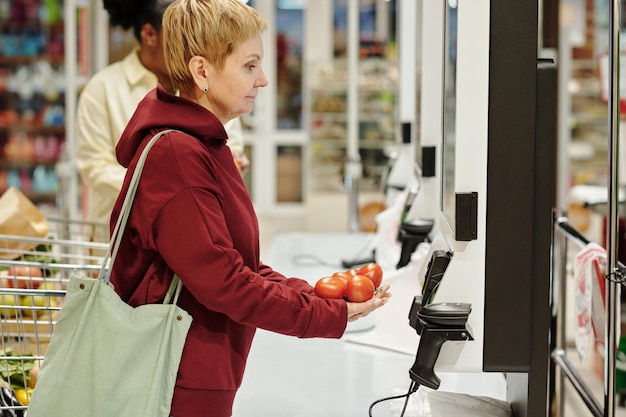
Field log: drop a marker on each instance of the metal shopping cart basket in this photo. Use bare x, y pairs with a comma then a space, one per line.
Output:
33, 282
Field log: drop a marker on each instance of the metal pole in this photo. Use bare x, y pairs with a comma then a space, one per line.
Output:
352, 167
66, 168
560, 295
612, 288
564, 135
352, 145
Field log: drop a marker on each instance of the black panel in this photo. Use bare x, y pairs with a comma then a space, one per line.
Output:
545, 200
528, 391
406, 132
510, 185
466, 217
429, 157
520, 197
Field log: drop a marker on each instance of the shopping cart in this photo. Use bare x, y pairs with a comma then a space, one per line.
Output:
34, 273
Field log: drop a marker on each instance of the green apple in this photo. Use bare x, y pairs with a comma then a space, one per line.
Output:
33, 301
8, 300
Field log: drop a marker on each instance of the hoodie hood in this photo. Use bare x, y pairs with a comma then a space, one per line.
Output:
161, 110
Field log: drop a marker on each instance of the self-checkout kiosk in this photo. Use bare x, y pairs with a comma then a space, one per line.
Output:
485, 300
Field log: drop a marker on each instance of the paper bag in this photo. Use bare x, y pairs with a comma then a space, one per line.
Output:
19, 217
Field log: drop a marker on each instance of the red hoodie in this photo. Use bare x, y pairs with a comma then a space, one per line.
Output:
192, 215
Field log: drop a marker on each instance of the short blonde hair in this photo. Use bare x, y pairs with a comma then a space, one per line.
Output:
212, 29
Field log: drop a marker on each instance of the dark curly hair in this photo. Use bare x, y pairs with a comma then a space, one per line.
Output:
134, 14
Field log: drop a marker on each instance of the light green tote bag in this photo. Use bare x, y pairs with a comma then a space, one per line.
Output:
106, 358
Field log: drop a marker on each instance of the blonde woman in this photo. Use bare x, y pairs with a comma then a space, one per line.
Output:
193, 216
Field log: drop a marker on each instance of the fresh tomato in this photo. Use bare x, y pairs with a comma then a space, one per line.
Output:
343, 275
373, 271
330, 287
360, 288
352, 272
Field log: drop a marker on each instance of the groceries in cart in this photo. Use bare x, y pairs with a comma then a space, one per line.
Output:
36, 261
22, 371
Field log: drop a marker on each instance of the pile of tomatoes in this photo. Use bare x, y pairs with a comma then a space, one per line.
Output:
355, 285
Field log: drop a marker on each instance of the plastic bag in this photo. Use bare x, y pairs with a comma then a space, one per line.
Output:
426, 403
387, 246
589, 305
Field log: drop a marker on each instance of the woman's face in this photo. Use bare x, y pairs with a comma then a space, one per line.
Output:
232, 90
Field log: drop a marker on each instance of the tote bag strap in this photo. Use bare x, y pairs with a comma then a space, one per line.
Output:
116, 237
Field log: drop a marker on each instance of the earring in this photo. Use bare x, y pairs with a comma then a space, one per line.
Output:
205, 89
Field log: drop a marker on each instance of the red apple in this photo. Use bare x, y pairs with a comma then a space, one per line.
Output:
25, 277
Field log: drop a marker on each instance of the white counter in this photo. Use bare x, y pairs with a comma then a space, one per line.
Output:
291, 377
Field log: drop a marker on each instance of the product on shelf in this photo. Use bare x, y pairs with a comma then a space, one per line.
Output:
328, 121
32, 96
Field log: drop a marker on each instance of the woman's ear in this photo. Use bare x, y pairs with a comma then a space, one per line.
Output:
198, 68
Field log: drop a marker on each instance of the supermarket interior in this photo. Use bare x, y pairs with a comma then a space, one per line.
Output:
469, 148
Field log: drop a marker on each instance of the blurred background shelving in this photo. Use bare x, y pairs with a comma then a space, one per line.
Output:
328, 121
32, 96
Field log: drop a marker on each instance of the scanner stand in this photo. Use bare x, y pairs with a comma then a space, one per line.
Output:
411, 234
435, 323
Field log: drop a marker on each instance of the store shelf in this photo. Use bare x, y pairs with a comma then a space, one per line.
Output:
32, 97
328, 121
31, 128
588, 122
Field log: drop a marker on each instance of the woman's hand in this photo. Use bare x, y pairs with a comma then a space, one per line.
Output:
358, 310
